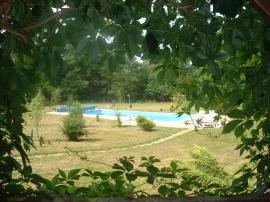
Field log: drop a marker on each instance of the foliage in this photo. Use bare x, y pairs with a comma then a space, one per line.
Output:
56, 97
86, 80
35, 109
145, 124
72, 84
118, 119
123, 178
205, 166
224, 43
131, 80
158, 90
73, 124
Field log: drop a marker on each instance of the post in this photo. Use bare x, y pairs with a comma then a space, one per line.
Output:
129, 105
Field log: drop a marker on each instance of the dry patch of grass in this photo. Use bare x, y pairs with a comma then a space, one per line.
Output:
101, 136
105, 135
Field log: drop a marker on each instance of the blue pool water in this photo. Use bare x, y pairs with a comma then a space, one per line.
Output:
157, 116
67, 108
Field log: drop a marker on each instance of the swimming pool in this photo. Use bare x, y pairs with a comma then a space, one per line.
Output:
155, 116
65, 108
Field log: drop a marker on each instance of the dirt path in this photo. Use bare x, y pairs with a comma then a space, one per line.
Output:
120, 149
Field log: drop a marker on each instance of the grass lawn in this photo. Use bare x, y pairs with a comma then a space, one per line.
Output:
101, 135
105, 135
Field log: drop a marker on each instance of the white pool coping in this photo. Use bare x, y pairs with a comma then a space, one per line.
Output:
132, 121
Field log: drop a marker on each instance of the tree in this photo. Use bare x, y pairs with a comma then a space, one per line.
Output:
35, 109
158, 90
73, 124
227, 42
131, 80
56, 97
73, 84
81, 78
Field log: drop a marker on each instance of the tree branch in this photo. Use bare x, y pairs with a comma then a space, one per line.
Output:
16, 34
54, 17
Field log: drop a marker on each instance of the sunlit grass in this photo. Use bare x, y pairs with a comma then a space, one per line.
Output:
105, 135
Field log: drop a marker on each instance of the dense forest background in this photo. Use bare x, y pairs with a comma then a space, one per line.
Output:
80, 79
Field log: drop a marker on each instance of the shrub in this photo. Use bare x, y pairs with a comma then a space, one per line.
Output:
74, 124
56, 97
205, 169
145, 124
35, 108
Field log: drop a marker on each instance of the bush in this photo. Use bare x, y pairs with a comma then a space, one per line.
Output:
145, 124
56, 97
74, 124
35, 109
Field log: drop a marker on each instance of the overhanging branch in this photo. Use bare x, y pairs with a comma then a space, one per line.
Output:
44, 22
263, 7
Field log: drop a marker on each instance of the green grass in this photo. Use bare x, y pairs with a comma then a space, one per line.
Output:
105, 135
101, 135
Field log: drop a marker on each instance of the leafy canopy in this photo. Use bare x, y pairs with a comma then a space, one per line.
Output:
226, 43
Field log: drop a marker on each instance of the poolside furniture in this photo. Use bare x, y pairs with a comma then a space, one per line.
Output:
62, 108
209, 121
205, 121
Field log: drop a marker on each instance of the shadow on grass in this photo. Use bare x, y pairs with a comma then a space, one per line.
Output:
148, 131
89, 140
59, 140
123, 126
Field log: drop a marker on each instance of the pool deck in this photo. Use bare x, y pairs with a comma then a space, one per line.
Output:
132, 121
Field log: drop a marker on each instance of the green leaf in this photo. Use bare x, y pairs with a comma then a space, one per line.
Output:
239, 131
127, 165
237, 114
37, 179
73, 174
150, 180
82, 45
238, 38
102, 176
70, 182
181, 193
229, 127
166, 175
27, 170
116, 174
174, 165
141, 173
81, 190
248, 124
131, 176
163, 190
262, 165
94, 51
185, 187
152, 170
239, 146
118, 167
55, 180
62, 173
